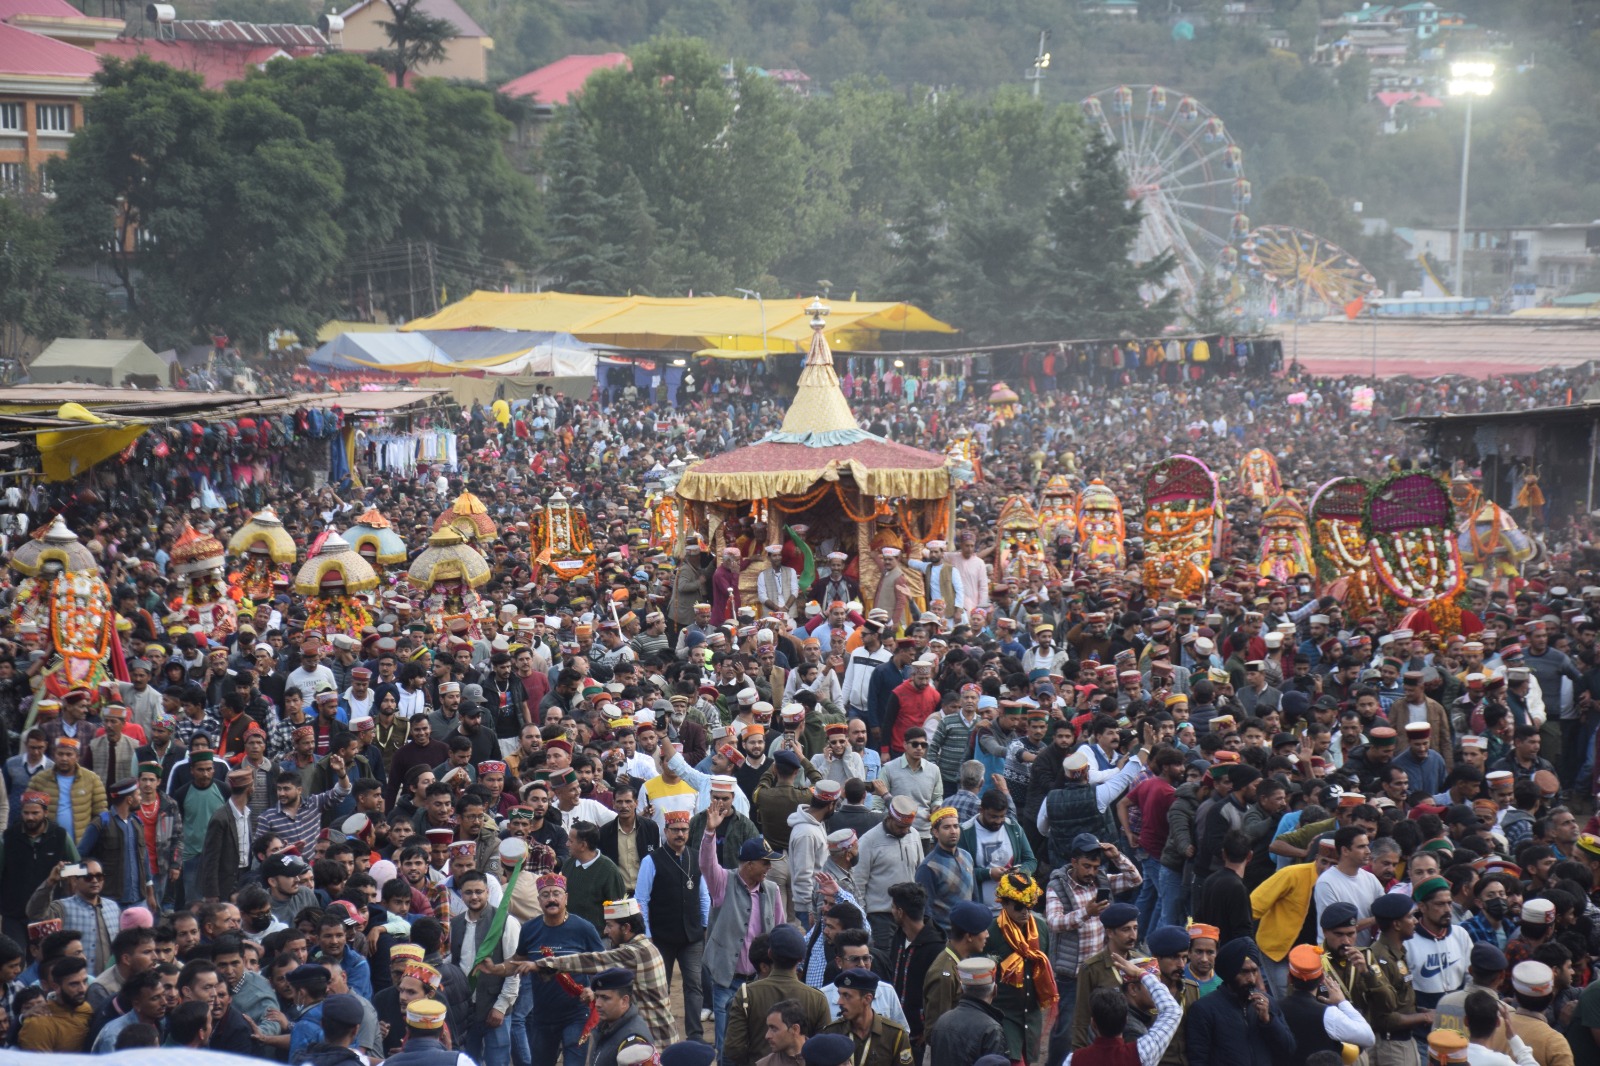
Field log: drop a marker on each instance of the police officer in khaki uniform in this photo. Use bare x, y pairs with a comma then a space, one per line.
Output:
878, 1041
746, 1039
1352, 966
1396, 923
969, 933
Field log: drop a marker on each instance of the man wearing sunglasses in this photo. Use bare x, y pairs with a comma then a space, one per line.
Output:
98, 918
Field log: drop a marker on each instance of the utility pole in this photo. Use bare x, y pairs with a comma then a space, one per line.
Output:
1041, 63
433, 285
411, 283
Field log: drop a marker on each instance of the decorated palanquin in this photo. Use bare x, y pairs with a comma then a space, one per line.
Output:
1339, 546
64, 596
567, 550
265, 551
374, 539
1101, 528
204, 601
1019, 551
665, 521
1493, 546
1182, 524
848, 488
333, 581
962, 449
448, 573
1004, 399
1285, 540
1258, 477
1058, 509
1411, 535
468, 516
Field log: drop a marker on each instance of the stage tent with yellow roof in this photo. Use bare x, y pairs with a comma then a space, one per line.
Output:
846, 489
721, 326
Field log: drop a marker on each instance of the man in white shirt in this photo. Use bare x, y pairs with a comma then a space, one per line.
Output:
1349, 882
778, 586
942, 580
310, 676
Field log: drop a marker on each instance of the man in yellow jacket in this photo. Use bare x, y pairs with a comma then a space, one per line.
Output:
85, 793
1281, 905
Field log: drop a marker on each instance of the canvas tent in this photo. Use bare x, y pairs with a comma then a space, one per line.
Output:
99, 362
499, 353
717, 326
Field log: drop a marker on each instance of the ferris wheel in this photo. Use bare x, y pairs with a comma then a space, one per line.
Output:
1183, 168
1289, 271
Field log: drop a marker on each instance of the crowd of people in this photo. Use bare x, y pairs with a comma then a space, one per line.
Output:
1065, 819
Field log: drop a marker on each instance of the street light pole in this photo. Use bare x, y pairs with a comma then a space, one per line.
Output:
1041, 63
1468, 78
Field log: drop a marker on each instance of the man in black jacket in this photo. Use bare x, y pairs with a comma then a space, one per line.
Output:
640, 835
33, 846
972, 1028
220, 868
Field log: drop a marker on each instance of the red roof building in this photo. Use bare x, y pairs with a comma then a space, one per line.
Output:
42, 86
557, 83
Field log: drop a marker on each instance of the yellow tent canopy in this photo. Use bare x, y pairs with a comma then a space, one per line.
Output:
725, 324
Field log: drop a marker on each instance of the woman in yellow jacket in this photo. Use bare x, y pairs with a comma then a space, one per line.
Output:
1281, 906
86, 797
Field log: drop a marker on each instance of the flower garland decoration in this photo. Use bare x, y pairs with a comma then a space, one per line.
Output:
1418, 559
80, 622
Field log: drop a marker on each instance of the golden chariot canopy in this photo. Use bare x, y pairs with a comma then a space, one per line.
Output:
195, 553
448, 557
57, 542
335, 569
264, 533
469, 517
373, 536
819, 441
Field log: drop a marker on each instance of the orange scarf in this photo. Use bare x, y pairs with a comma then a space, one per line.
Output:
1024, 944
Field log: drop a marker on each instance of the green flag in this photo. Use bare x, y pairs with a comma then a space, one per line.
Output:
497, 925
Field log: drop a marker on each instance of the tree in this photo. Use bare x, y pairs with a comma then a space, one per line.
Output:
719, 166
219, 210
37, 300
416, 39
581, 260
1086, 283
1210, 310
917, 271
480, 212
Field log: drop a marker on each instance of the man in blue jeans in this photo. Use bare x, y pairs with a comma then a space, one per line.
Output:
1153, 798
554, 1020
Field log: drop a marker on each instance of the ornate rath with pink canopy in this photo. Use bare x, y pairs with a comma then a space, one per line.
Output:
1183, 526
821, 472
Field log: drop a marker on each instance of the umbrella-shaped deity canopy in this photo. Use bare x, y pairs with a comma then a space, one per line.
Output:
264, 534
375, 539
448, 557
336, 569
469, 517
54, 541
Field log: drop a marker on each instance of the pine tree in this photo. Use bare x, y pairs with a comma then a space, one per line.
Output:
581, 259
1087, 285
917, 272
631, 229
